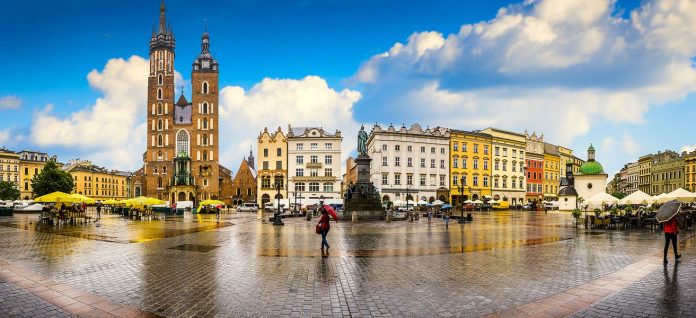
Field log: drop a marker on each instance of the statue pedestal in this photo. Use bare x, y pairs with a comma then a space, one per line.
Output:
363, 198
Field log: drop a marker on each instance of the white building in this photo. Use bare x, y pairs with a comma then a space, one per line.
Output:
508, 165
314, 164
413, 161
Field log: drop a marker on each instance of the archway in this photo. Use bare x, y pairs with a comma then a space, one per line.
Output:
431, 199
442, 198
265, 198
137, 192
475, 197
182, 196
278, 196
385, 199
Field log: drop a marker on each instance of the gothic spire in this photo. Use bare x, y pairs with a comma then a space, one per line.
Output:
162, 37
163, 19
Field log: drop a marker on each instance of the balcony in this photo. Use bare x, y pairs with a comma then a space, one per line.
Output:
314, 165
182, 179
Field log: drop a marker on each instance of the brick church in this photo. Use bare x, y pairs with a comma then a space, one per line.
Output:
181, 162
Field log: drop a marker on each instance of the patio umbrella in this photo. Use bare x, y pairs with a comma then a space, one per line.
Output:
668, 210
438, 202
681, 195
468, 201
446, 206
422, 202
660, 198
637, 197
51, 197
601, 198
478, 202
110, 202
76, 198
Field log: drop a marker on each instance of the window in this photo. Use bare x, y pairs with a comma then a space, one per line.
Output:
442, 180
475, 163
205, 123
409, 162
513, 183
504, 165
455, 146
384, 147
397, 148
495, 183
265, 152
475, 148
455, 163
464, 180
397, 161
485, 165
159, 109
314, 146
455, 179
313, 172
328, 160
432, 162
384, 161
160, 80
504, 183
485, 181
205, 139
299, 146
159, 140
422, 180
385, 178
182, 142
432, 150
299, 160
205, 87
475, 181
328, 172
205, 108
279, 152
514, 154
521, 166
504, 152
159, 94
442, 164
265, 165
497, 151
442, 151
314, 159
314, 186
513, 166
409, 179
279, 165
299, 187
328, 187
422, 162
422, 149
464, 145
328, 146
464, 163
26, 170
397, 179
299, 172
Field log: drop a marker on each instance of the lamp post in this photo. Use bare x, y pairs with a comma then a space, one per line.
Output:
461, 199
276, 217
407, 211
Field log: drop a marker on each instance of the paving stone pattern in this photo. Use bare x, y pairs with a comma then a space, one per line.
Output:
501, 261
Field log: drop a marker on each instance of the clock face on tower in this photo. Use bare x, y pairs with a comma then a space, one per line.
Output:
206, 64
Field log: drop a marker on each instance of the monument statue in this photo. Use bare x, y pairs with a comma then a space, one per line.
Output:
362, 141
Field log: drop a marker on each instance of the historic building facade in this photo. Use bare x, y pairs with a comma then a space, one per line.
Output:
534, 162
181, 162
552, 176
314, 163
410, 163
508, 165
272, 166
244, 185
31, 163
644, 174
592, 179
470, 165
97, 182
9, 166
690, 171
632, 175
667, 172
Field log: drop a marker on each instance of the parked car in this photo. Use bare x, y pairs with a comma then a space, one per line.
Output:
248, 207
405, 208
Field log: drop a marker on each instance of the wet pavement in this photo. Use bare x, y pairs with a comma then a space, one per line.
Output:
502, 264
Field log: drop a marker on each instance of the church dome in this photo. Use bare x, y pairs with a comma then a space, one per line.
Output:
591, 167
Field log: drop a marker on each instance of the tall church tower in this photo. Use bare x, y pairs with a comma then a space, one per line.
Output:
204, 100
160, 101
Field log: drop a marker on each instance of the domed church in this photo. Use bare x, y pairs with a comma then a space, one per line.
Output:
589, 181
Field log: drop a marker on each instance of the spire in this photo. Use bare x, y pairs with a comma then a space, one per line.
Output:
162, 35
163, 19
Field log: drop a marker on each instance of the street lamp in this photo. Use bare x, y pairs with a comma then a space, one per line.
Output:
461, 199
407, 211
276, 217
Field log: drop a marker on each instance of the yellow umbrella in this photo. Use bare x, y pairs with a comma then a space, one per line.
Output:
210, 202
51, 197
140, 202
110, 202
77, 198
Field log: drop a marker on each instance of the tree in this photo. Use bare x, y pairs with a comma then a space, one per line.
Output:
619, 195
8, 191
51, 179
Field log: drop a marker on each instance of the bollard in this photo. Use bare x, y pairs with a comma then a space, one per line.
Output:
388, 216
469, 217
354, 217
309, 216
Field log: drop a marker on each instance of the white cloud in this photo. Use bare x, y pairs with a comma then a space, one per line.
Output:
10, 102
688, 148
559, 66
276, 103
4, 136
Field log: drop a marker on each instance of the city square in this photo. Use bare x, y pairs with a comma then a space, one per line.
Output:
514, 263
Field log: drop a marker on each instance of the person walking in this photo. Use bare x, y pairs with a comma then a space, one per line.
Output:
447, 218
324, 221
671, 230
99, 206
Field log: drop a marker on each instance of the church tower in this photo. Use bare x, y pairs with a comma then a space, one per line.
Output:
160, 102
204, 100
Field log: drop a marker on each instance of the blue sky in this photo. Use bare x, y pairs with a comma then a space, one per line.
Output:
535, 72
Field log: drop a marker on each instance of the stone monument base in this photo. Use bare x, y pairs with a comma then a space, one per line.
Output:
362, 197
366, 215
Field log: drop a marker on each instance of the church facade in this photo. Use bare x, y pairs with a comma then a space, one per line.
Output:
181, 161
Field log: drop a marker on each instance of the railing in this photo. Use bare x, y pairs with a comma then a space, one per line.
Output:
184, 179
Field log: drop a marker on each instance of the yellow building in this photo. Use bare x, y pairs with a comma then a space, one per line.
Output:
552, 176
9, 166
31, 163
508, 160
565, 155
470, 165
272, 166
97, 182
690, 171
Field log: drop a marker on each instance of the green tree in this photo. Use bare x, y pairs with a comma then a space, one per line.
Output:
51, 179
619, 195
8, 191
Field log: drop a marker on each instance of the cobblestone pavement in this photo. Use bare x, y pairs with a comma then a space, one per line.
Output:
504, 263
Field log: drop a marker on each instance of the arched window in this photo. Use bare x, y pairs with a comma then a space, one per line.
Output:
159, 140
159, 109
182, 142
181, 119
159, 182
205, 156
205, 87
160, 79
205, 107
205, 139
159, 124
156, 170
159, 93
164, 169
205, 123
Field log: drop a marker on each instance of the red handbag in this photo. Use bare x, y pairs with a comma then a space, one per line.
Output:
318, 228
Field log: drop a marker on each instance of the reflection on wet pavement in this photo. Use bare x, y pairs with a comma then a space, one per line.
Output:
239, 266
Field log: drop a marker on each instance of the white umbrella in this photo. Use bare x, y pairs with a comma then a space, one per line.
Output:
477, 202
468, 201
422, 202
438, 202
680, 195
492, 201
638, 197
660, 198
399, 202
597, 200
